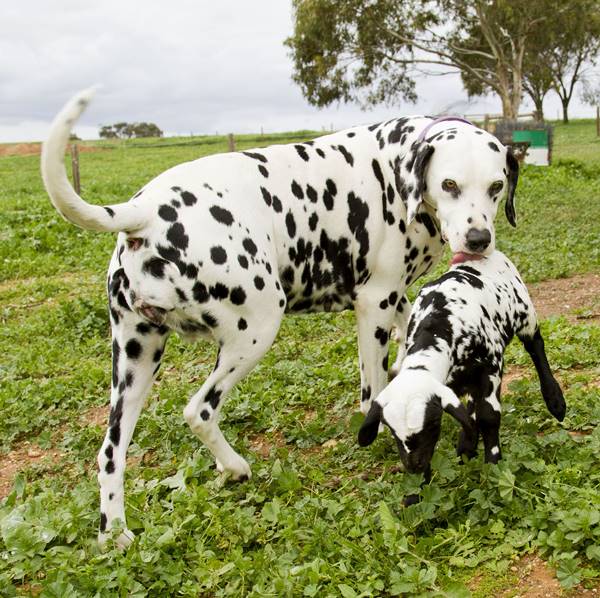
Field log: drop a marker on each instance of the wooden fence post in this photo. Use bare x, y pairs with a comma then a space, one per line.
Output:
486, 122
231, 141
597, 121
75, 168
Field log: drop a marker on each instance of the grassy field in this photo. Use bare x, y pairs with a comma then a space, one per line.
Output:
320, 517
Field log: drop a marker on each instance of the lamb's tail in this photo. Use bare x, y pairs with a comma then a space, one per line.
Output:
121, 217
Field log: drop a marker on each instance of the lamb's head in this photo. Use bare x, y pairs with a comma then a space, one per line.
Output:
412, 406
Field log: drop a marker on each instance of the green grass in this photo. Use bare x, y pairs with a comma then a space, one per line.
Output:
314, 520
578, 141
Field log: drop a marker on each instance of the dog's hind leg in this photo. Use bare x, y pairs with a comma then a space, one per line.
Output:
243, 341
137, 351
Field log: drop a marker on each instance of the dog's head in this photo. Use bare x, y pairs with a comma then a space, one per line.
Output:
412, 406
462, 172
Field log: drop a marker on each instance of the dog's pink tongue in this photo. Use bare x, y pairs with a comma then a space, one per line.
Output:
461, 256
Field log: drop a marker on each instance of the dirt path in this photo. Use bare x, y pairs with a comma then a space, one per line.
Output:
573, 297
24, 456
34, 149
27, 453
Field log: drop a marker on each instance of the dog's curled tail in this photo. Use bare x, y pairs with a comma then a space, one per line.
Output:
115, 218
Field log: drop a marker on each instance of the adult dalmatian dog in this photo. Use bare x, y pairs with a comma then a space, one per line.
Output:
221, 247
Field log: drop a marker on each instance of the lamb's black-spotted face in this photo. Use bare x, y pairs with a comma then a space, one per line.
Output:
415, 446
466, 179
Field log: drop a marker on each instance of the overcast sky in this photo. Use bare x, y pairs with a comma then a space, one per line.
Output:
188, 65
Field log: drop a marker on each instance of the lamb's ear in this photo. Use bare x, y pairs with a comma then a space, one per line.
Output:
415, 179
512, 167
452, 405
370, 426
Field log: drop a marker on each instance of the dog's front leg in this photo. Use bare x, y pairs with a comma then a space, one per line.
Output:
374, 317
401, 318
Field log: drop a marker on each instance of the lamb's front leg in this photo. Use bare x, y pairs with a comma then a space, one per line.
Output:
401, 318
374, 316
551, 391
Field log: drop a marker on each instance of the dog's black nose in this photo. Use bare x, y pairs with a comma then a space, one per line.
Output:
478, 240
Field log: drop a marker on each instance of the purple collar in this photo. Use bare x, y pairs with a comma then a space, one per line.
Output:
441, 120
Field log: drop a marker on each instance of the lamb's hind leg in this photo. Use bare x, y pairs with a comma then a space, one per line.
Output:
550, 388
467, 443
488, 412
240, 350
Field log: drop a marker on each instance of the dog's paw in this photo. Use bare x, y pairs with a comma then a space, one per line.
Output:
122, 541
237, 470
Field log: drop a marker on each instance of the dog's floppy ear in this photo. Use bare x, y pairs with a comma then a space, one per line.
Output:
415, 180
370, 426
512, 167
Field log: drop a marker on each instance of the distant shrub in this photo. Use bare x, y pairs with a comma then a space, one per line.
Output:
124, 130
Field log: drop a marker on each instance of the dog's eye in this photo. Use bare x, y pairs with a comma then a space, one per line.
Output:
449, 185
496, 187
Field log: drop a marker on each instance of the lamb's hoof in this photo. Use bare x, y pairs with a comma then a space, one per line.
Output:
555, 401
411, 499
466, 455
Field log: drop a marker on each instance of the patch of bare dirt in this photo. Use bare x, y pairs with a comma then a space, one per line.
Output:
96, 416
25, 455
20, 149
263, 446
536, 579
34, 149
565, 296
561, 297
513, 372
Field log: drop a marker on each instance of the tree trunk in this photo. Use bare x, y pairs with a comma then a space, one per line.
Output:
516, 102
507, 106
538, 102
565, 107
539, 112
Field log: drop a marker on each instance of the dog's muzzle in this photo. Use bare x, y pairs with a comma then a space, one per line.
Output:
478, 240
